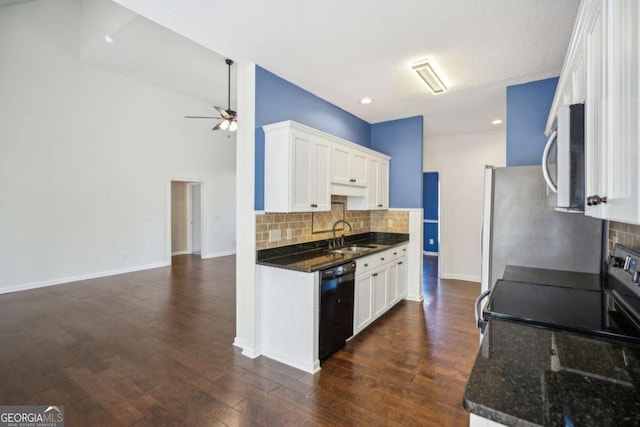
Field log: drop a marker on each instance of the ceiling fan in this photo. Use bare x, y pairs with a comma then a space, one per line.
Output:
229, 117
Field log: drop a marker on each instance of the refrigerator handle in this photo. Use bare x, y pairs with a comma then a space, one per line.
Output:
479, 320
545, 161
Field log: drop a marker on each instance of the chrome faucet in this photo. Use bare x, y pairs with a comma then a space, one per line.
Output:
336, 242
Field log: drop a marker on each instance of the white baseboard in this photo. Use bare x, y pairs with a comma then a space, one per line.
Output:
218, 254
430, 253
303, 365
462, 277
70, 279
250, 352
180, 253
414, 299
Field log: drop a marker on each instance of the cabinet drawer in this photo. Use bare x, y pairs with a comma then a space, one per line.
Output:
367, 264
397, 252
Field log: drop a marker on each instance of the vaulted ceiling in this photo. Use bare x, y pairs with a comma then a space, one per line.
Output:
345, 50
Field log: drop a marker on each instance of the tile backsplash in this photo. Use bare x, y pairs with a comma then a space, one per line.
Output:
301, 224
626, 234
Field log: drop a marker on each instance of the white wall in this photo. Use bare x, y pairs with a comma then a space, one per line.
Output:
86, 156
460, 159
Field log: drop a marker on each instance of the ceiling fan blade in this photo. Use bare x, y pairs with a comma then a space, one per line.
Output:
216, 127
200, 117
223, 113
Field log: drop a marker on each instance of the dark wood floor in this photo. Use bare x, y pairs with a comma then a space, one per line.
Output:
154, 348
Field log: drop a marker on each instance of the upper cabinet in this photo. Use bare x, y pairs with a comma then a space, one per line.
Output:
602, 69
348, 170
304, 167
297, 170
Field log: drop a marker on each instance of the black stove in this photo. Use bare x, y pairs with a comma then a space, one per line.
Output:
607, 305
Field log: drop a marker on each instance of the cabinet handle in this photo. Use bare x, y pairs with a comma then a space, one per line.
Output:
381, 259
595, 200
400, 263
366, 265
395, 253
352, 180
379, 206
374, 275
405, 249
313, 205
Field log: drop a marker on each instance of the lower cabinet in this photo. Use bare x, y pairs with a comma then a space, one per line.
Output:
378, 288
363, 309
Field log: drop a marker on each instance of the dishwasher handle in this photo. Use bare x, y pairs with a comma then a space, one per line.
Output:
480, 322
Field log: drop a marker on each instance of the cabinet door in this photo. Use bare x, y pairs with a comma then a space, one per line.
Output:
301, 153
596, 109
402, 277
359, 168
622, 142
320, 178
379, 279
363, 310
383, 184
392, 284
340, 158
372, 188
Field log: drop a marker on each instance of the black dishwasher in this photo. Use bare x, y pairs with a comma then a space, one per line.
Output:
337, 286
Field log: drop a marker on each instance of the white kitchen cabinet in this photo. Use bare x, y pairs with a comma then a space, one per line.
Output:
596, 107
297, 169
611, 110
402, 277
363, 307
348, 166
602, 69
381, 282
377, 194
392, 284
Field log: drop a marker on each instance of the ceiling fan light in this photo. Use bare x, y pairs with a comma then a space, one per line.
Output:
428, 74
224, 125
233, 126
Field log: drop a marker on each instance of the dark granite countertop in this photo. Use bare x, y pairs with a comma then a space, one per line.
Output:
526, 375
314, 256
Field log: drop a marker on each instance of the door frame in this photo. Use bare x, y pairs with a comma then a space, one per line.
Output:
203, 212
189, 194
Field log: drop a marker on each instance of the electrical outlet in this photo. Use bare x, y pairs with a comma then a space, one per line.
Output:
389, 223
431, 241
289, 233
275, 235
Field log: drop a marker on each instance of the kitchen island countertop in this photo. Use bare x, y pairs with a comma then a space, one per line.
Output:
526, 375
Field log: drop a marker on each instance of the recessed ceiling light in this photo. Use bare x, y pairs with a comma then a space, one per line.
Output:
108, 38
366, 101
496, 122
428, 74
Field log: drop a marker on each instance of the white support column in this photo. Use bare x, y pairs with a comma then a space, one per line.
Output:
414, 268
246, 307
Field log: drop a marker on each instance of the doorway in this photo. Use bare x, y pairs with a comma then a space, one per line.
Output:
186, 213
431, 226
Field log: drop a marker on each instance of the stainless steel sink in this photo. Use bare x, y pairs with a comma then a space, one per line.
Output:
353, 249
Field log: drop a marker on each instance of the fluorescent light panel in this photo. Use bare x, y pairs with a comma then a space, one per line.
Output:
430, 77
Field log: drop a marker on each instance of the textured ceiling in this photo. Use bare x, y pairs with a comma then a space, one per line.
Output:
344, 50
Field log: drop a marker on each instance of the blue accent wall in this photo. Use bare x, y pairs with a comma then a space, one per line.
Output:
528, 108
431, 198
279, 100
402, 140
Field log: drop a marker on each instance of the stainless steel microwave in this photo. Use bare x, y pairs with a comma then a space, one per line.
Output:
563, 160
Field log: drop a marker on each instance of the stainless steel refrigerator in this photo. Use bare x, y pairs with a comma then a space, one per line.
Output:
521, 229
